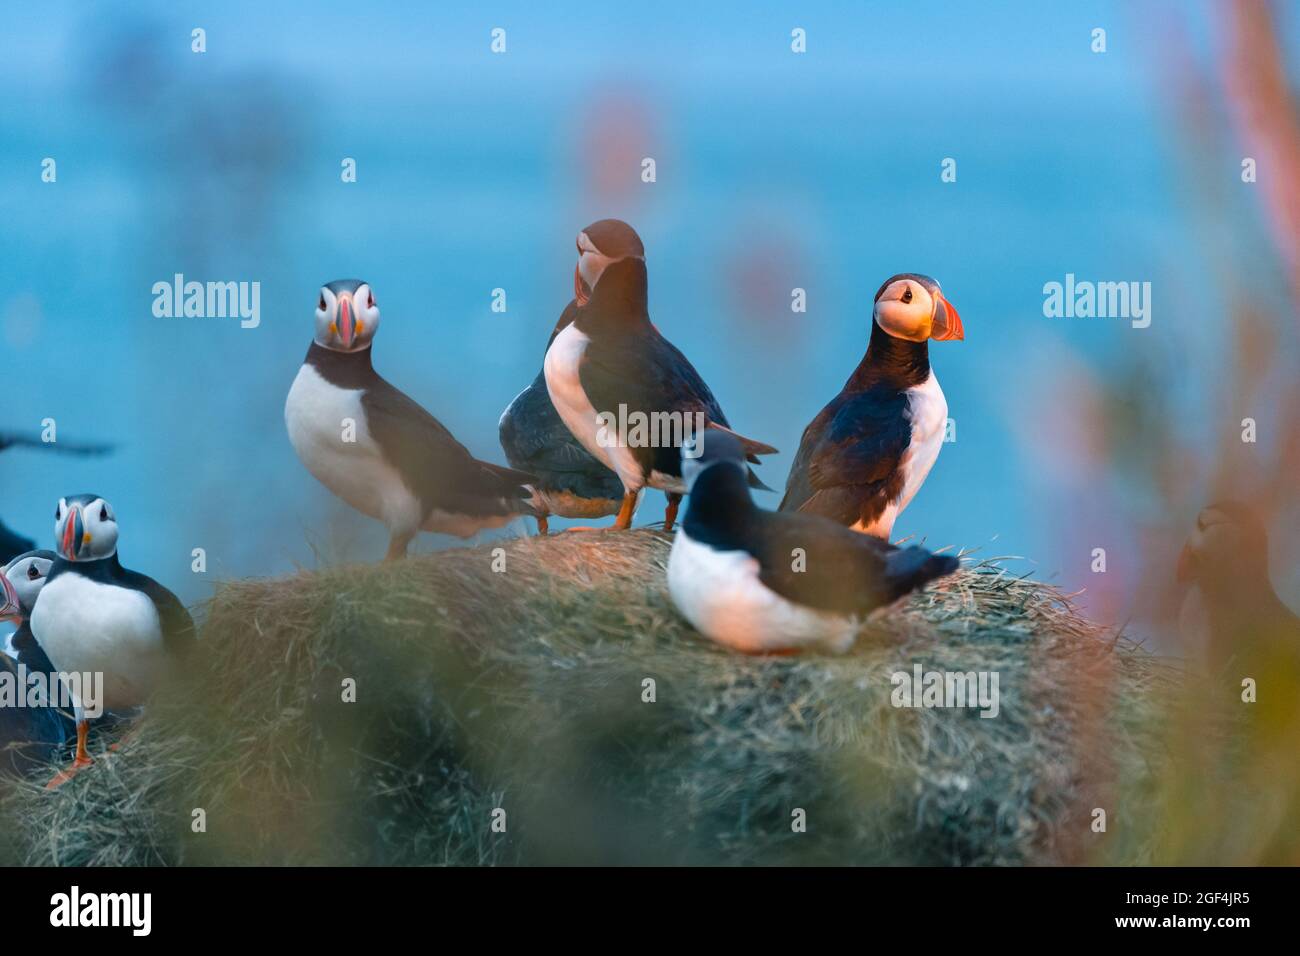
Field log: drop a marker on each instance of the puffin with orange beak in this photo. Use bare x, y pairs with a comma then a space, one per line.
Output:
30, 732
866, 454
12, 543
611, 362
375, 447
96, 617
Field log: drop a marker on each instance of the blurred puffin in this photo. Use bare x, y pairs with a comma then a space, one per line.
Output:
12, 543
394, 462
865, 455
610, 359
95, 616
29, 735
1230, 613
731, 572
570, 482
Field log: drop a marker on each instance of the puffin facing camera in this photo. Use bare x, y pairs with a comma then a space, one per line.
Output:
85, 528
347, 315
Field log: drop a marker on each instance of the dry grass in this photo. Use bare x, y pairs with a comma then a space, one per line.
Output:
523, 690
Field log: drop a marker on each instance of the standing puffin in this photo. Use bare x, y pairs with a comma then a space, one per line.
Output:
12, 543
865, 455
95, 616
30, 734
375, 447
770, 581
611, 361
570, 482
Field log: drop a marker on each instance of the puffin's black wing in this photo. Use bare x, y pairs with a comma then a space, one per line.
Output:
536, 440
841, 570
848, 465
28, 735
177, 625
648, 374
11, 440
432, 463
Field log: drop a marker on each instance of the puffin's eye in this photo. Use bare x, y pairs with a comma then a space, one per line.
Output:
32, 572
321, 304
103, 512
371, 297
58, 512
907, 294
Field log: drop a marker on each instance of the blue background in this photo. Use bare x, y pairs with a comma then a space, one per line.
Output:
476, 170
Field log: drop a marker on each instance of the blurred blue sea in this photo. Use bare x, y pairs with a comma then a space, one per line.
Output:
476, 170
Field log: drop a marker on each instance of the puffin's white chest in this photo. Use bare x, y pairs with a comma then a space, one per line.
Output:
576, 411
87, 626
927, 411
327, 427
720, 593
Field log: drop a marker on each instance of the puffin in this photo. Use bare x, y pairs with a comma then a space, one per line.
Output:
1230, 613
12, 543
31, 734
376, 448
864, 457
95, 616
766, 582
611, 361
570, 482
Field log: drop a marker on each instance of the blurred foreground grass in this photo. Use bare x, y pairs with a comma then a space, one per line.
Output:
523, 690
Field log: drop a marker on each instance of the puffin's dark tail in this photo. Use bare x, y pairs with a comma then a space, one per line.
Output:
908, 569
752, 448
512, 485
756, 482
509, 476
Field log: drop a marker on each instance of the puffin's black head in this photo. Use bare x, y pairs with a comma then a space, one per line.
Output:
603, 242
711, 448
1229, 542
911, 306
346, 315
85, 528
21, 581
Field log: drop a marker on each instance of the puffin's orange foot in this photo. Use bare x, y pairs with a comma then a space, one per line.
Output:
63, 776
585, 528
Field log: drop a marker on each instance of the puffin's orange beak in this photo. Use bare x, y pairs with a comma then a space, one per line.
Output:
9, 609
74, 534
346, 322
947, 323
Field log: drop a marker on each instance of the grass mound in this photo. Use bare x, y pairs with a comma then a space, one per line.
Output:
516, 696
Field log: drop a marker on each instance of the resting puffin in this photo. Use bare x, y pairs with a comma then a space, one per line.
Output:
12, 543
375, 447
29, 735
610, 359
865, 455
1230, 612
570, 482
770, 582
95, 616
